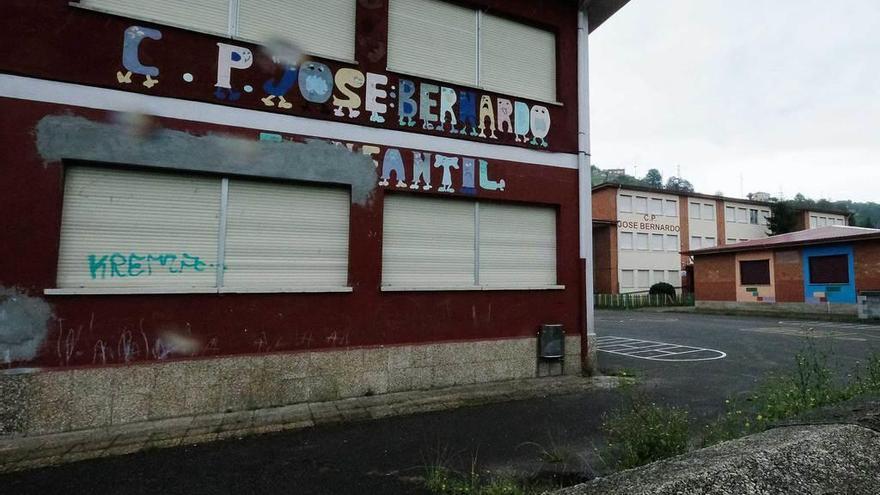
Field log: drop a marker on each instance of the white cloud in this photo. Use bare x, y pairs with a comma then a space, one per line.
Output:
783, 93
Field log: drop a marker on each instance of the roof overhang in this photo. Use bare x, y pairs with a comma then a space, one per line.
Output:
599, 11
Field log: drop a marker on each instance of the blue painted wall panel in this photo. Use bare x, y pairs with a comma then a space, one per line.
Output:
835, 293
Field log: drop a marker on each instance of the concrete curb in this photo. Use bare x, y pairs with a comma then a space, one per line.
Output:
28, 452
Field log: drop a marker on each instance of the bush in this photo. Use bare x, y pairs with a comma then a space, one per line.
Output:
662, 288
644, 432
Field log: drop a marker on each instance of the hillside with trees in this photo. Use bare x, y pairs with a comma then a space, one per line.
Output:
863, 214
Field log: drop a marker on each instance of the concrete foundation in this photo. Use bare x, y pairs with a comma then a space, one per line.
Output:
780, 307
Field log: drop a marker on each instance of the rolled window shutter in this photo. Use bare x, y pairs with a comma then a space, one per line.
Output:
427, 242
124, 229
285, 236
517, 59
211, 16
434, 39
318, 27
517, 245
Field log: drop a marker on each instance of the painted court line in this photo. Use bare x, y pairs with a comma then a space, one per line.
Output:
653, 350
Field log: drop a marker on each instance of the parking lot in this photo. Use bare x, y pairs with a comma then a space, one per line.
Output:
690, 360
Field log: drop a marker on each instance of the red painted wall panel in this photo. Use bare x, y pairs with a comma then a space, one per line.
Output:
96, 329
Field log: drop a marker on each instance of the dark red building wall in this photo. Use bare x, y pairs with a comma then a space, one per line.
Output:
789, 273
51, 39
31, 194
715, 277
867, 265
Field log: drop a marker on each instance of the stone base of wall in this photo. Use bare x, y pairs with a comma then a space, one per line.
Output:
780, 307
45, 402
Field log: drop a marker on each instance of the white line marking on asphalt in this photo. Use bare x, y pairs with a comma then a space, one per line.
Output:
658, 351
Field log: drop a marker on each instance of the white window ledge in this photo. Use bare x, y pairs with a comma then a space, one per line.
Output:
394, 288
82, 291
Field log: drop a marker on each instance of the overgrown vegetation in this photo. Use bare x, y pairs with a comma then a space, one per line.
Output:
810, 385
642, 431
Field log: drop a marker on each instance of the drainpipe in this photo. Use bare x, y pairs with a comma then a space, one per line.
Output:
585, 186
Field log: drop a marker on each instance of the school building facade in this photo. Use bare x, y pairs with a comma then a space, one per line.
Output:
235, 204
640, 233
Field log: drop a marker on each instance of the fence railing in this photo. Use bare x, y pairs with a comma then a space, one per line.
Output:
640, 300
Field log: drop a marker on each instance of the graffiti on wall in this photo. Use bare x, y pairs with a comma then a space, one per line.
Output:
121, 265
432, 107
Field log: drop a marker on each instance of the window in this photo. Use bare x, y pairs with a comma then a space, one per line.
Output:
626, 240
695, 210
754, 272
642, 241
670, 208
514, 58
672, 242
167, 234
643, 278
730, 214
432, 243
814, 221
656, 242
832, 269
709, 242
284, 236
303, 22
674, 278
641, 204
656, 206
753, 217
625, 203
765, 216
627, 278
742, 215
708, 212
696, 242
659, 276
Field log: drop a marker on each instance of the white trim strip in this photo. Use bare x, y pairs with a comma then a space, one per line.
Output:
79, 291
32, 89
390, 288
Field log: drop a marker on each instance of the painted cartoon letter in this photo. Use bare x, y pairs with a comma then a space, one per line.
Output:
487, 183
539, 119
131, 60
280, 88
345, 80
520, 121
406, 105
427, 104
505, 112
487, 112
374, 93
315, 82
447, 102
446, 163
421, 171
230, 57
393, 162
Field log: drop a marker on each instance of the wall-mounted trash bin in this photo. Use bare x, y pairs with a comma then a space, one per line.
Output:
551, 341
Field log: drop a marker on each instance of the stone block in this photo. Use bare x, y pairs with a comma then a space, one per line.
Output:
169, 391
323, 388
132, 393
377, 358
400, 357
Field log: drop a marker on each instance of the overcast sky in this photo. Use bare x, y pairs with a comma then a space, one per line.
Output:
783, 93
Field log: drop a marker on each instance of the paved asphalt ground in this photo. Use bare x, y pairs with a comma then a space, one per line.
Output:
388, 456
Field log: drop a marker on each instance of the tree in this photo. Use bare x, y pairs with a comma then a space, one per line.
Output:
654, 179
783, 218
679, 184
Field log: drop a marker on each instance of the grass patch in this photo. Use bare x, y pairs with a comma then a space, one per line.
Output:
642, 432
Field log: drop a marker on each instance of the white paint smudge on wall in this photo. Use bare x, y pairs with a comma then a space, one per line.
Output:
23, 325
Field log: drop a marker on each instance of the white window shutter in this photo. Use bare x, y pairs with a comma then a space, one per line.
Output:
138, 229
427, 242
318, 27
517, 59
434, 39
210, 16
286, 236
517, 245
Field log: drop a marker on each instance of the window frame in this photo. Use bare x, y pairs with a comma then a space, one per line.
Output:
218, 287
764, 281
810, 265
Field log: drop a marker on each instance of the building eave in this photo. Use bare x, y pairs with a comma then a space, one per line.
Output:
599, 11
